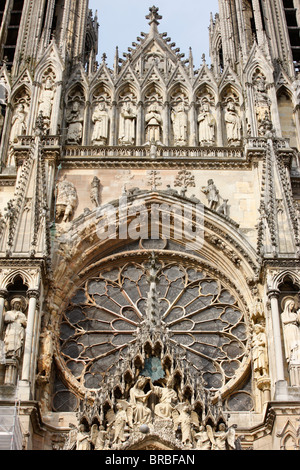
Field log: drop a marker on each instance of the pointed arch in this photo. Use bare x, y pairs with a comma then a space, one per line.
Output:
126, 89
232, 120
154, 91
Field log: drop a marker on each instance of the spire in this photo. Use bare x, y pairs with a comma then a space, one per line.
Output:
116, 62
153, 17
191, 62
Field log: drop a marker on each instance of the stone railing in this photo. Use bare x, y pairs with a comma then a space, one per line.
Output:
47, 141
156, 152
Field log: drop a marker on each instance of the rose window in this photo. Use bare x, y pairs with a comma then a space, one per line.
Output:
202, 316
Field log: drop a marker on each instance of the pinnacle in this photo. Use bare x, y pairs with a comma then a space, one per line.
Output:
153, 17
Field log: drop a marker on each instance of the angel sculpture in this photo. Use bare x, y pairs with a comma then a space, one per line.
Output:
119, 420
205, 438
98, 437
224, 439
83, 439
186, 420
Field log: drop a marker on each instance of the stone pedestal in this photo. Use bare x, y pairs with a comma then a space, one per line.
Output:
11, 372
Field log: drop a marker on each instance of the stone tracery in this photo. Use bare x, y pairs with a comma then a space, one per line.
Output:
151, 386
202, 315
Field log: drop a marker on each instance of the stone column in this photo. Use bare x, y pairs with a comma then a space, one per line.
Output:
86, 124
166, 124
113, 139
140, 131
280, 383
33, 297
193, 125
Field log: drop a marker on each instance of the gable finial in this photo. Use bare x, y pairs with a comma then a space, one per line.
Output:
153, 17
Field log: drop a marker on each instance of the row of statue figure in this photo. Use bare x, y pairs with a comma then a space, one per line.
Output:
154, 124
128, 121
128, 124
133, 418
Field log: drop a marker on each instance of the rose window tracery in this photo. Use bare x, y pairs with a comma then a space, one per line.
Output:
201, 314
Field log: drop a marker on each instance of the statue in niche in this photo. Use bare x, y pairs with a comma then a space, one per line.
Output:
66, 200
153, 124
101, 120
83, 440
224, 440
184, 419
207, 125
139, 400
212, 194
204, 438
127, 124
119, 420
75, 123
291, 326
100, 440
15, 321
233, 124
262, 101
167, 396
46, 101
95, 188
19, 126
259, 345
180, 124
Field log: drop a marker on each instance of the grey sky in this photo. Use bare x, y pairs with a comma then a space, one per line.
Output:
186, 22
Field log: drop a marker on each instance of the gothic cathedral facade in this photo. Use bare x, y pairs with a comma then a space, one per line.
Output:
150, 232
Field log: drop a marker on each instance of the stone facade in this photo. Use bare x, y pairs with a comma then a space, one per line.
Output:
149, 232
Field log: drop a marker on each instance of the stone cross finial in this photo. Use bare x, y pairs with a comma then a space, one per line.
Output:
153, 16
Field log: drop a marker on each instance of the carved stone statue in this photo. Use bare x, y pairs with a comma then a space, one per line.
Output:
123, 416
166, 396
153, 124
75, 123
45, 354
207, 126
83, 440
262, 101
127, 125
212, 194
101, 120
204, 438
46, 100
66, 200
224, 440
95, 187
223, 209
291, 326
180, 124
260, 357
139, 400
15, 321
182, 417
19, 126
233, 124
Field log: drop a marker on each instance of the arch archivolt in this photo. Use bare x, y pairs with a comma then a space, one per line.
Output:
30, 277
275, 279
213, 256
